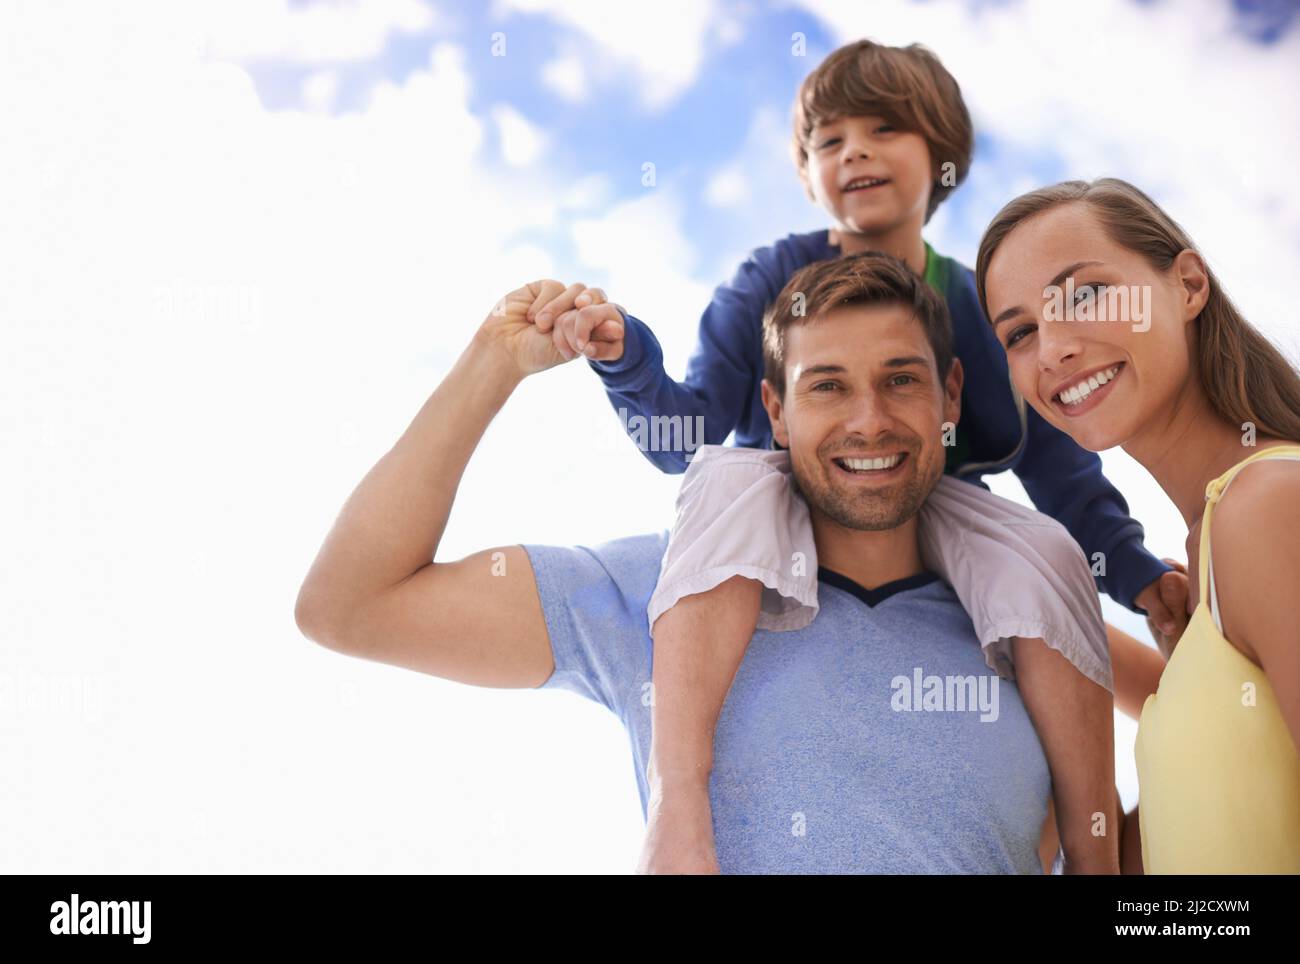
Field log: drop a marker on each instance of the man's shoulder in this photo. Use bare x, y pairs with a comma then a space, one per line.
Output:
626, 567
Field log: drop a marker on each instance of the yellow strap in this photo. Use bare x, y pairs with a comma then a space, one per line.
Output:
1213, 492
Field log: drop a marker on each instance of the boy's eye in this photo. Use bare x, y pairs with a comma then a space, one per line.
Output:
829, 142
885, 128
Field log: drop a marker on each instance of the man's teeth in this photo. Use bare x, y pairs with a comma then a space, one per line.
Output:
864, 182
872, 465
1077, 393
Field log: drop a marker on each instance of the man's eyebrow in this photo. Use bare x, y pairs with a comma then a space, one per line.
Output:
828, 369
1061, 276
821, 370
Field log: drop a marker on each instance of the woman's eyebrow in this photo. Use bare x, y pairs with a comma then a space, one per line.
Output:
1055, 282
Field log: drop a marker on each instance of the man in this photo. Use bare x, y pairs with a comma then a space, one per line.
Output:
822, 762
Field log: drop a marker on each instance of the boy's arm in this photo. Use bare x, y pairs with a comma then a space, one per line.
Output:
1065, 481
721, 375
374, 591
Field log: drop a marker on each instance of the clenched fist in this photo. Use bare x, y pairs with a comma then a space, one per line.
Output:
545, 323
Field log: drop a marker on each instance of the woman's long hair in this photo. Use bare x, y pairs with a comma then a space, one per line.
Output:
1245, 377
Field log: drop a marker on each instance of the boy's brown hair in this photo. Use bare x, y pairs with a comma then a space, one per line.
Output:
907, 86
868, 278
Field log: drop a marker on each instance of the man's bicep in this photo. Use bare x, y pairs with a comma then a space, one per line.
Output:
478, 620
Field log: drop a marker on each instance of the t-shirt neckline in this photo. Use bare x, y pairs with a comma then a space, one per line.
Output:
873, 597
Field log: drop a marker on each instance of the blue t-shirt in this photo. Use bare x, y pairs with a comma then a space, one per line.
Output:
875, 740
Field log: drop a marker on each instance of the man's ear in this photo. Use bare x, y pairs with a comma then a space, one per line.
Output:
775, 413
952, 392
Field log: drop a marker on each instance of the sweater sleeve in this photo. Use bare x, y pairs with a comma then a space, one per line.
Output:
723, 372
1066, 482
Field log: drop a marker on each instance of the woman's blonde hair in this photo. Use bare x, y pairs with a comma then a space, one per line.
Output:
1245, 377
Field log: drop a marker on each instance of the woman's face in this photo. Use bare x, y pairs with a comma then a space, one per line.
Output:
1098, 341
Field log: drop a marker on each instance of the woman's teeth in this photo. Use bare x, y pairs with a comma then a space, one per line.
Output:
871, 465
1077, 393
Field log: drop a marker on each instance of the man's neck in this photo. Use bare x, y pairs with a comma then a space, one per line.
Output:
870, 557
904, 242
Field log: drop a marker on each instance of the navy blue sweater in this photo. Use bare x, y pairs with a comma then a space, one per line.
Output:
997, 430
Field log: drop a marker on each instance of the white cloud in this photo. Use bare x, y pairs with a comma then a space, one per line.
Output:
664, 43
319, 89
338, 30
521, 140
567, 77
728, 187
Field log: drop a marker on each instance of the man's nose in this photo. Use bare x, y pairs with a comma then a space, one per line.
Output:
869, 416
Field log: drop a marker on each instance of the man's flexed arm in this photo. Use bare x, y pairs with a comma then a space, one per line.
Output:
373, 591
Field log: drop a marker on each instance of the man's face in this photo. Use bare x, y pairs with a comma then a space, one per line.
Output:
861, 384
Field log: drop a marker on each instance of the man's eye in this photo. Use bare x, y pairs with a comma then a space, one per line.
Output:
820, 385
910, 378
1016, 335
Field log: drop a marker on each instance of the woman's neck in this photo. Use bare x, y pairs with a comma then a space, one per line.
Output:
1189, 448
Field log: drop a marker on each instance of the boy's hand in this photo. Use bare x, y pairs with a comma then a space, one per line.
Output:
580, 322
528, 350
1165, 601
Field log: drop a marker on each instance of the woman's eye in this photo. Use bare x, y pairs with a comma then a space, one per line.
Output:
1016, 335
1093, 291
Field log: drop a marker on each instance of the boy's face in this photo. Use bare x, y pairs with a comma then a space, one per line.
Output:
861, 384
862, 148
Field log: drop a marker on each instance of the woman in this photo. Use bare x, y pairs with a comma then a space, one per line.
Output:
1156, 359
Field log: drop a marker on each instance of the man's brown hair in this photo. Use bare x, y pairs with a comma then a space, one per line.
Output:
907, 86
869, 278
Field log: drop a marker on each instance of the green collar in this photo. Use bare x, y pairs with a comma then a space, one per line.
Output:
936, 269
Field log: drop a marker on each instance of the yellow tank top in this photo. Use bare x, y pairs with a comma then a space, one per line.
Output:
1219, 778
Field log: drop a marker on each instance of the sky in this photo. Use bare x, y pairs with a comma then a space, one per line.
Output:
245, 240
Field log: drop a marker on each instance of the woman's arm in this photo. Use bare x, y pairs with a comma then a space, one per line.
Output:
1137, 670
